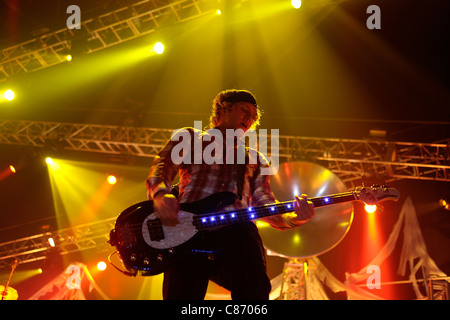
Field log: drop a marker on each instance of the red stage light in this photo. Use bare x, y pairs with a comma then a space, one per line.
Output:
370, 208
7, 172
101, 265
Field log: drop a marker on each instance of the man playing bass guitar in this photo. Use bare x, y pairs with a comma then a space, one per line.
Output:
231, 256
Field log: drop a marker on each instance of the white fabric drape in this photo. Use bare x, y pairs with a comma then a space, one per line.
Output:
413, 255
57, 289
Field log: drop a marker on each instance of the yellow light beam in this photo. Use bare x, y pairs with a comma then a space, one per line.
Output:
158, 48
296, 4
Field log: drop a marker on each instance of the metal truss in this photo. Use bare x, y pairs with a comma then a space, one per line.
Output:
438, 288
136, 20
353, 159
350, 159
36, 248
294, 285
133, 141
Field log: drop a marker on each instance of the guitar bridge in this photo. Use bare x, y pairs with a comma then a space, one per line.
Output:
155, 230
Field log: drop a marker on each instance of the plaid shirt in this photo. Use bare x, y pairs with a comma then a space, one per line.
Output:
197, 181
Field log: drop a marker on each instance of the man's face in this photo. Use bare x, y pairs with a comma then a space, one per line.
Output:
241, 116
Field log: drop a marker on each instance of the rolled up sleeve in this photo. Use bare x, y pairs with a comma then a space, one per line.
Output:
164, 169
261, 192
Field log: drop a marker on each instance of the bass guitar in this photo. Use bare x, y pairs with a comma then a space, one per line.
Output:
148, 247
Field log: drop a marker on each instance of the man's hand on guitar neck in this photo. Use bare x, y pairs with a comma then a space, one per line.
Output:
303, 212
166, 208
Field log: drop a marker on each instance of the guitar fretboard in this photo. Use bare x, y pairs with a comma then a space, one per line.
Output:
219, 219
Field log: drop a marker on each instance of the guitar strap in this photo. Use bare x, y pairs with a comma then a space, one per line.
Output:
240, 170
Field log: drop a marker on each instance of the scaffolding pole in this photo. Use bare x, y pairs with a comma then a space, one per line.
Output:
350, 159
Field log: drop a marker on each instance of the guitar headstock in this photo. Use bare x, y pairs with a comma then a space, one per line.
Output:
374, 194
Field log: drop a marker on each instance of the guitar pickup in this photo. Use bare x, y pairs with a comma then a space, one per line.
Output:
155, 230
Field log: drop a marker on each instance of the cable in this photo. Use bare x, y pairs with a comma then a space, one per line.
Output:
130, 274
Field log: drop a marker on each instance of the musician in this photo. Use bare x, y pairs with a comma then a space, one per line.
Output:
232, 256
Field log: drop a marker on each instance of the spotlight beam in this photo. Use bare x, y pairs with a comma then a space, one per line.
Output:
129, 20
9, 95
69, 240
296, 4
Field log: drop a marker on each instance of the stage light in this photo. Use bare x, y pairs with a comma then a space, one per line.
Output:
68, 57
444, 204
296, 4
370, 208
75, 200
51, 242
111, 179
218, 12
296, 239
158, 48
9, 95
101, 265
52, 164
6, 172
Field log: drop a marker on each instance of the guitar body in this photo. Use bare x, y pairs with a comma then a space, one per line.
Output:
146, 247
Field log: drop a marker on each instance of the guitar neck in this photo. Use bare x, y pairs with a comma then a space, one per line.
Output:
219, 219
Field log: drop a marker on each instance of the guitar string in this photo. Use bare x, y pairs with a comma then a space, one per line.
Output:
243, 214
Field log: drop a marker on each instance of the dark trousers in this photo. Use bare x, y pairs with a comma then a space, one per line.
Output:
237, 264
